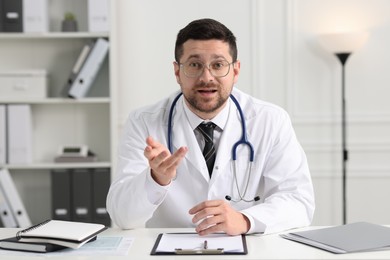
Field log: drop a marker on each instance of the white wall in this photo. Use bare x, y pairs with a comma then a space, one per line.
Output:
282, 63
314, 84
146, 36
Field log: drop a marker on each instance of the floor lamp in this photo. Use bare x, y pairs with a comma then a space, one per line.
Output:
342, 45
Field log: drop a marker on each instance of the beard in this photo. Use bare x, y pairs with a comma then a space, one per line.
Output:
206, 105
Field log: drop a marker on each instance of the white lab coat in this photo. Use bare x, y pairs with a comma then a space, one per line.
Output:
280, 174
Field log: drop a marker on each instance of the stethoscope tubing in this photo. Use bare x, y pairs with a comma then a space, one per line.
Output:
170, 117
243, 140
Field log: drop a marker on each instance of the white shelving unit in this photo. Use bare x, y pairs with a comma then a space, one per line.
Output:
58, 120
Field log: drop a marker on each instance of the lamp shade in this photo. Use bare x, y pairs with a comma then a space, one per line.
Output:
343, 42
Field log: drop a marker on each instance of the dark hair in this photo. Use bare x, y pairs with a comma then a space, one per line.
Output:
205, 29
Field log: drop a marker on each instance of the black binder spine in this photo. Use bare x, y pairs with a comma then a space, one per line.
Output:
81, 195
12, 15
1, 16
100, 184
61, 196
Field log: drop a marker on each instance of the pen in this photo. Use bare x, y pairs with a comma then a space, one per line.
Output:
205, 244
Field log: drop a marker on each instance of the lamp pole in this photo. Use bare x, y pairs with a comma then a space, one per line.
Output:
343, 57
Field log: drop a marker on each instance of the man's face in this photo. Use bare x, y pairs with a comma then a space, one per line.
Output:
206, 94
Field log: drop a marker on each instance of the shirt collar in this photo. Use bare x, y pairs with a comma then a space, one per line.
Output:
220, 120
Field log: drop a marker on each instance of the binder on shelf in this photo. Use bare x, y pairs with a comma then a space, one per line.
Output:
60, 186
88, 68
98, 15
14, 201
81, 195
6, 216
19, 132
1, 17
3, 134
101, 180
12, 15
77, 67
35, 16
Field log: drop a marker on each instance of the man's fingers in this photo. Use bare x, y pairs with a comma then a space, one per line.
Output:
210, 230
205, 204
173, 161
217, 215
164, 164
210, 225
150, 141
153, 148
206, 212
206, 209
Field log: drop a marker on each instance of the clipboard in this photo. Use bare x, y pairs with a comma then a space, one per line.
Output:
193, 244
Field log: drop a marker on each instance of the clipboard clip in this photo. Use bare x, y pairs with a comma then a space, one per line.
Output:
180, 251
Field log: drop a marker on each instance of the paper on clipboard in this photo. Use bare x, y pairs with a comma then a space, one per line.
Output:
170, 242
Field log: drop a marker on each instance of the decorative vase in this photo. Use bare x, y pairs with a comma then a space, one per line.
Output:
69, 26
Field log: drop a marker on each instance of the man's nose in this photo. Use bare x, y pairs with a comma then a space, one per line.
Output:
206, 75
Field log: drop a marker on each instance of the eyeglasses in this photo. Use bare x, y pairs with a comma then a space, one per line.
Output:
218, 68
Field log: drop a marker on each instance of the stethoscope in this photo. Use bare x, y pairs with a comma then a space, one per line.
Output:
242, 141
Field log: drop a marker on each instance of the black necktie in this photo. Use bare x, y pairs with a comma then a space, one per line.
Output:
207, 131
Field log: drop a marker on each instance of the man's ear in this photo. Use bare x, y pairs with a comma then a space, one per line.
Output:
176, 68
236, 70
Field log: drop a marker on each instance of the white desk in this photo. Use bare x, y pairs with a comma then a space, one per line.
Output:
259, 247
